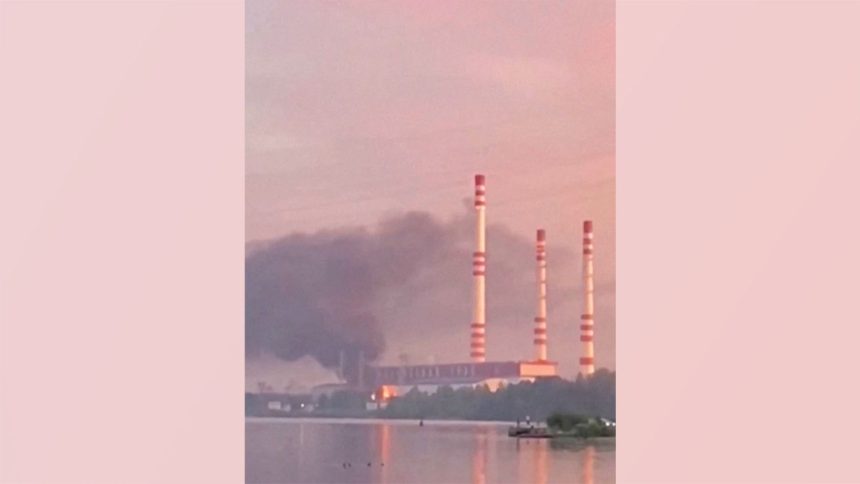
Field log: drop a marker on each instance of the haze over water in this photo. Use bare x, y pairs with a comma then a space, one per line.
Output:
316, 450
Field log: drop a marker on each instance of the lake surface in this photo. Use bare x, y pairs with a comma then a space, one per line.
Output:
338, 451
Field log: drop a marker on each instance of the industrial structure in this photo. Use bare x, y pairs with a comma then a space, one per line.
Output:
540, 319
586, 361
390, 381
479, 273
386, 382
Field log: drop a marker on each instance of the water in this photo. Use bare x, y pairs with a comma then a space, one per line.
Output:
316, 451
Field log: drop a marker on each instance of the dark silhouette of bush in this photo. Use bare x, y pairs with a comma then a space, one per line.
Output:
565, 421
594, 428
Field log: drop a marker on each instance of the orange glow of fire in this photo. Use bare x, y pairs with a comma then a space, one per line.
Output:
385, 393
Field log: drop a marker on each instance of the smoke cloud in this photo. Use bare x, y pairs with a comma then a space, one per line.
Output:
315, 294
402, 289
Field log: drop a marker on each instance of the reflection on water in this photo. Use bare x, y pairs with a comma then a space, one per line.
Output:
384, 432
588, 465
540, 465
479, 457
336, 451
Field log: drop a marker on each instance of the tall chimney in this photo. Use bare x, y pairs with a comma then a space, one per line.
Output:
586, 362
479, 267
540, 319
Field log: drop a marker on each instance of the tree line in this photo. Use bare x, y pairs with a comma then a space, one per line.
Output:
593, 396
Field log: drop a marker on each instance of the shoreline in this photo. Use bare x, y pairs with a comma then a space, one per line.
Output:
373, 420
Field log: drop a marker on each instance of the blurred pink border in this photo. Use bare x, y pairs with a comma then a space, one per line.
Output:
738, 240
121, 277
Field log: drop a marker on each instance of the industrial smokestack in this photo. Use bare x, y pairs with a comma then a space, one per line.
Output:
540, 319
586, 362
479, 268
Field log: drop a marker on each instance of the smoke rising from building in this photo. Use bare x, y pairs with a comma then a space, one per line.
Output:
404, 285
314, 294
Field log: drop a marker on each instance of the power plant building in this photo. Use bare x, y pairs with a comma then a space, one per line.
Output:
390, 381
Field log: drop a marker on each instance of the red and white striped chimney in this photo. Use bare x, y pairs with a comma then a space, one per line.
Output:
586, 361
540, 319
479, 267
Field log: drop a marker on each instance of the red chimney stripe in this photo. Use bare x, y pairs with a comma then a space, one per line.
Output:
586, 338
477, 345
479, 273
540, 320
587, 252
587, 316
585, 360
540, 331
477, 355
541, 341
586, 327
479, 203
478, 325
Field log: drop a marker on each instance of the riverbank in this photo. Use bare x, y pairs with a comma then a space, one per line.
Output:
340, 415
374, 420
545, 433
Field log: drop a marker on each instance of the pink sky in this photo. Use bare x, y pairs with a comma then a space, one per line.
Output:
355, 110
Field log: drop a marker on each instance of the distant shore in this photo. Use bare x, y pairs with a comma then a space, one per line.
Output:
370, 420
356, 415
562, 439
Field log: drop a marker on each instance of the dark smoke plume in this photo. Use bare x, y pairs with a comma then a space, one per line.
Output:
315, 294
407, 282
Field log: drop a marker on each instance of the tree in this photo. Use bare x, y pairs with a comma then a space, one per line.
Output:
586, 396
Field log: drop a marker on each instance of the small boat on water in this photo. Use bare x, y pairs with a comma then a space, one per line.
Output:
529, 432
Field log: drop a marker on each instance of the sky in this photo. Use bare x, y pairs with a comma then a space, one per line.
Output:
356, 111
